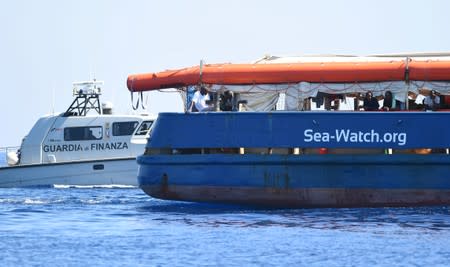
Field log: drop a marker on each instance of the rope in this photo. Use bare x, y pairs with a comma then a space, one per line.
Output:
144, 103
132, 101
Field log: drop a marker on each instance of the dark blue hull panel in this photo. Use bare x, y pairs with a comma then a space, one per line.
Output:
299, 180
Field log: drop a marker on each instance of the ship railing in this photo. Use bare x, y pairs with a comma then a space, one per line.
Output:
4, 154
294, 151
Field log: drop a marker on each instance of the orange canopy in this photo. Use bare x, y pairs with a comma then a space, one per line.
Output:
276, 73
429, 70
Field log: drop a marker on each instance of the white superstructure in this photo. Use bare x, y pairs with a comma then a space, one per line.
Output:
86, 145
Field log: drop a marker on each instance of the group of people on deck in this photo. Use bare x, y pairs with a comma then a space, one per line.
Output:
371, 103
201, 99
431, 102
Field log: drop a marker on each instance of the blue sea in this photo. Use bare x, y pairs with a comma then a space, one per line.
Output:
124, 227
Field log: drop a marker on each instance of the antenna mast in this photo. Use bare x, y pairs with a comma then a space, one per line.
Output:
87, 97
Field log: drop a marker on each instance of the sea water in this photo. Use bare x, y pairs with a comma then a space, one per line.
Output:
124, 227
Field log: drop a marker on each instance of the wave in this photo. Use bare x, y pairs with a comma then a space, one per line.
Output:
350, 219
71, 196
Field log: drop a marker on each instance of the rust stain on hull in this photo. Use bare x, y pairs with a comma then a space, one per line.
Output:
302, 198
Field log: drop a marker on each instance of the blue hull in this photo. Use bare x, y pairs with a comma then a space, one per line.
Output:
216, 157
299, 180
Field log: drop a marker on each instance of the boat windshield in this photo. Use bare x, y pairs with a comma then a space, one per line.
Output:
144, 128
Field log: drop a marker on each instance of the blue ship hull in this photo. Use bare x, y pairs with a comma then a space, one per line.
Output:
216, 157
299, 181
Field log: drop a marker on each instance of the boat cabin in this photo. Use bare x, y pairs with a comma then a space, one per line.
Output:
86, 131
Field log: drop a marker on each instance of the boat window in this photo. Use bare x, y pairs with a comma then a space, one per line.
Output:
124, 128
143, 129
83, 133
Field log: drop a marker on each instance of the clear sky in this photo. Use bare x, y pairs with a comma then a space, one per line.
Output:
46, 45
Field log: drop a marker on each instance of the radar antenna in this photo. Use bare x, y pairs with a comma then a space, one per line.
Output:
87, 97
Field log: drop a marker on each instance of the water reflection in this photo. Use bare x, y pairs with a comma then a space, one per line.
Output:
349, 219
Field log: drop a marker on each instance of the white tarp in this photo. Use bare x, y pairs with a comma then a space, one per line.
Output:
269, 59
262, 97
442, 88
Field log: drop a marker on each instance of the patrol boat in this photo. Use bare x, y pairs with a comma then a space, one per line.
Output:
87, 145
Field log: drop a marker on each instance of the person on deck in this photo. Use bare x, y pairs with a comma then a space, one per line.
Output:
388, 101
370, 102
432, 101
199, 101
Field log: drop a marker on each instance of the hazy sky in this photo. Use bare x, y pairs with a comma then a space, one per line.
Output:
46, 45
